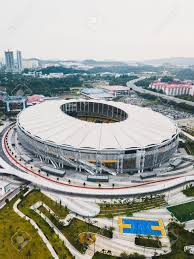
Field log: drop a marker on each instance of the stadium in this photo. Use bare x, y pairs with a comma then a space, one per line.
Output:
97, 136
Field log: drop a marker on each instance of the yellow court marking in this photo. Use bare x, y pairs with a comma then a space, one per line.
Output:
160, 227
122, 226
145, 219
104, 161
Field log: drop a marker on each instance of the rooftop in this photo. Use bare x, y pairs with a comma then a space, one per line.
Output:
115, 87
142, 127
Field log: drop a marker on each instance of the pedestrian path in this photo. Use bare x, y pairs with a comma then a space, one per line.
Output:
79, 206
71, 248
39, 231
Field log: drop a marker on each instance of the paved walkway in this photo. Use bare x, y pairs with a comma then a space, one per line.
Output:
71, 248
189, 249
119, 243
187, 135
118, 246
189, 225
79, 206
40, 233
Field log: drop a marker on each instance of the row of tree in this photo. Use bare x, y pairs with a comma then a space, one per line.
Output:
32, 85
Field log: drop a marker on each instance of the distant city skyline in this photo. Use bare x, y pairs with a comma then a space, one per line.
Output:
13, 62
102, 30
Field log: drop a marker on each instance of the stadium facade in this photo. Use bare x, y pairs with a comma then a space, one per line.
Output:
97, 136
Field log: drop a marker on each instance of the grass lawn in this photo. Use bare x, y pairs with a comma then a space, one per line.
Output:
98, 255
110, 210
11, 223
189, 191
148, 242
191, 132
55, 221
190, 147
76, 227
180, 238
183, 212
57, 244
58, 209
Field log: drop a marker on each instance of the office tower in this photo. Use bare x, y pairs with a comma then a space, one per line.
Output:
19, 60
9, 61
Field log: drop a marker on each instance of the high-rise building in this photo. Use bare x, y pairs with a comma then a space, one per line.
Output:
19, 60
9, 61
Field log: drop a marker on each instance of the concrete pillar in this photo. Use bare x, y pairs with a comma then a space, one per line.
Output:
8, 107
118, 162
142, 160
121, 165
24, 104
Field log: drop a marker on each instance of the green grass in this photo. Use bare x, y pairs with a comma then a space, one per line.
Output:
10, 223
189, 191
58, 209
183, 212
99, 255
189, 131
179, 238
78, 226
54, 220
148, 242
24, 206
71, 232
189, 146
110, 210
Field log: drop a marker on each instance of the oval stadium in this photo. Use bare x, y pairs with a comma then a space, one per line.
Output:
97, 136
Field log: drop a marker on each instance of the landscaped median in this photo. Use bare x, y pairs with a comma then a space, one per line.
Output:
148, 242
179, 238
104, 255
189, 191
55, 241
128, 207
71, 232
75, 228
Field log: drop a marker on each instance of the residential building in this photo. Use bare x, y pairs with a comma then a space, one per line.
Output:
19, 60
172, 89
9, 61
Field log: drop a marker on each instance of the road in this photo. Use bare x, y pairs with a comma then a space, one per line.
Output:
9, 196
139, 89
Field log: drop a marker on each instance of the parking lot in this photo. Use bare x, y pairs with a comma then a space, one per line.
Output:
157, 105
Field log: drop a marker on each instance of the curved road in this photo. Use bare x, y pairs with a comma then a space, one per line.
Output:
139, 89
28, 174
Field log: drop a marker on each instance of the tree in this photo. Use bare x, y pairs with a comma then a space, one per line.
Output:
7, 201
167, 79
131, 256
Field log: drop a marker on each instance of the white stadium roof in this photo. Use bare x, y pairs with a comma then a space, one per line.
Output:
142, 128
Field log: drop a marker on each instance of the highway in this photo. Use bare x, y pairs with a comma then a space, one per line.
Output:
141, 90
